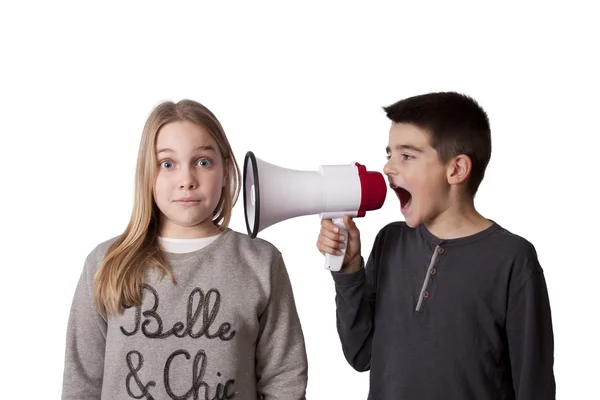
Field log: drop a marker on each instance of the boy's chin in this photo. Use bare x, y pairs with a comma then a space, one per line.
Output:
412, 222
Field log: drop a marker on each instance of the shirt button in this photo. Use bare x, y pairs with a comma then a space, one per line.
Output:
440, 250
433, 271
426, 294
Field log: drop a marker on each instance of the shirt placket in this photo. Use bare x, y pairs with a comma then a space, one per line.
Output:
431, 270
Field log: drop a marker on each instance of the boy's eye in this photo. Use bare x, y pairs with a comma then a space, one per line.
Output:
166, 164
402, 157
204, 162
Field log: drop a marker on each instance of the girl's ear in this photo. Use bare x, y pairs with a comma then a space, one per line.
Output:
459, 169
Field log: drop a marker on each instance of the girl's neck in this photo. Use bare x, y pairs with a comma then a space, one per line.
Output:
169, 230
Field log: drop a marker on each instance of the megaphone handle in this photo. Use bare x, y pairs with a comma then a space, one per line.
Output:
332, 262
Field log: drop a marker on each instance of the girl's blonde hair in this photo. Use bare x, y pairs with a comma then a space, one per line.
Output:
120, 276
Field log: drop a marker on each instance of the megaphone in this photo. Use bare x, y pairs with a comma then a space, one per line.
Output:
273, 194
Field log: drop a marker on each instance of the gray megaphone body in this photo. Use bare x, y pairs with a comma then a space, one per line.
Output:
273, 194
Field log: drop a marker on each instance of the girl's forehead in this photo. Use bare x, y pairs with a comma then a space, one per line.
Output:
184, 136
178, 130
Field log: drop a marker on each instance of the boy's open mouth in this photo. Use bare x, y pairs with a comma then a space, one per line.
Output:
404, 196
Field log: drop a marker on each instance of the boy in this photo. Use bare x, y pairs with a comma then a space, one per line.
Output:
450, 305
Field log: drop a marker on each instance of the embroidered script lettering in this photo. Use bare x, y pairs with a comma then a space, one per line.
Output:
200, 317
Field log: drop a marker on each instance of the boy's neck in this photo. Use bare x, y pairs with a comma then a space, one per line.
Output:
458, 220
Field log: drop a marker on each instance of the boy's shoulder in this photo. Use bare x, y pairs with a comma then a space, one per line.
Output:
513, 241
517, 250
517, 259
507, 250
497, 241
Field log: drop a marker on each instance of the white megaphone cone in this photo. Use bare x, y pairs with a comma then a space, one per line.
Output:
273, 194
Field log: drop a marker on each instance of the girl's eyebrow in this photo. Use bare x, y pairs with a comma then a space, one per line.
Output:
203, 148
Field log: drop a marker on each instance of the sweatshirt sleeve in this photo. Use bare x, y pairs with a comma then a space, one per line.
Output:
85, 343
281, 361
530, 339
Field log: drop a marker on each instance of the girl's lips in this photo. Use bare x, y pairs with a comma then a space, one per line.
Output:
187, 202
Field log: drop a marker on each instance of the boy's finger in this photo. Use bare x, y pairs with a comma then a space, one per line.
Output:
332, 243
326, 249
329, 225
331, 235
350, 225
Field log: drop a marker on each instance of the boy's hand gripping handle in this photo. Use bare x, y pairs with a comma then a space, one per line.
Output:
333, 262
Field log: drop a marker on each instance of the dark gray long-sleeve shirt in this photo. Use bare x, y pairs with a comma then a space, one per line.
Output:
466, 318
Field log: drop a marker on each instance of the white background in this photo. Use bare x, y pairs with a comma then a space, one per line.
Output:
300, 85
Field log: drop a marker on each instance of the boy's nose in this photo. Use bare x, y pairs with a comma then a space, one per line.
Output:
387, 168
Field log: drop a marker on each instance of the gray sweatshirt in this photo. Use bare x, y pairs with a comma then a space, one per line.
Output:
228, 329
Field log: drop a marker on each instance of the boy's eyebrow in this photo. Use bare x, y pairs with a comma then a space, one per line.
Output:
400, 147
203, 148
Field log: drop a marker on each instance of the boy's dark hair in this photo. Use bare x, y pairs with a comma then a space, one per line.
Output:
456, 125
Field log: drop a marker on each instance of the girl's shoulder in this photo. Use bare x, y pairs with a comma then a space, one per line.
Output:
97, 254
253, 246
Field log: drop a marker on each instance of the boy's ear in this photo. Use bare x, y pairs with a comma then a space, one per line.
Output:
459, 169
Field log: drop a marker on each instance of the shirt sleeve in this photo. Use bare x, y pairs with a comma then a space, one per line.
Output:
281, 360
530, 339
355, 309
85, 343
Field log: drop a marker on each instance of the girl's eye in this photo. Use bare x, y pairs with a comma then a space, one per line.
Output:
406, 157
204, 162
166, 164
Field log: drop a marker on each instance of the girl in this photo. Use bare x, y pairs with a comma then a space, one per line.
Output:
180, 306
